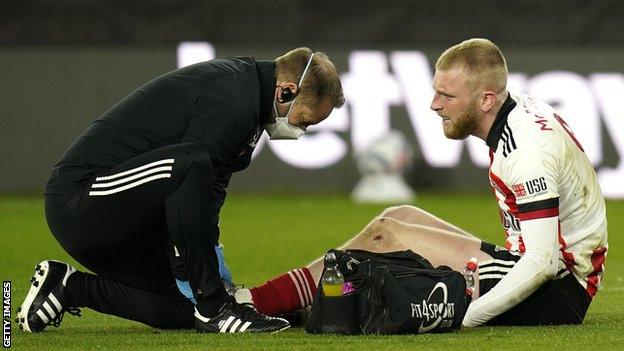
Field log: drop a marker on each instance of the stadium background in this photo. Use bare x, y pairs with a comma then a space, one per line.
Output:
64, 62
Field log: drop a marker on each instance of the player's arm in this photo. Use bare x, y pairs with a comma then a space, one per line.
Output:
539, 222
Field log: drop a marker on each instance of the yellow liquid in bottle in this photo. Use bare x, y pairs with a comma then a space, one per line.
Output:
332, 289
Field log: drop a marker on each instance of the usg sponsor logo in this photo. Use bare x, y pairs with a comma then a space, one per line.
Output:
536, 186
532, 187
519, 190
435, 311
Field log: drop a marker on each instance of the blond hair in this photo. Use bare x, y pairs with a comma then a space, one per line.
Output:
321, 81
481, 59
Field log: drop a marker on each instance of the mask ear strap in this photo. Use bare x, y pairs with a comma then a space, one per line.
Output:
280, 96
305, 71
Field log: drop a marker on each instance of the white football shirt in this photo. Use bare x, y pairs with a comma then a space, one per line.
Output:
539, 169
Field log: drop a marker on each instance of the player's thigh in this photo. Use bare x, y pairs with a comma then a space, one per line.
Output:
414, 215
439, 246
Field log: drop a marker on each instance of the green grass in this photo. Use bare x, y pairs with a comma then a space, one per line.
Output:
264, 236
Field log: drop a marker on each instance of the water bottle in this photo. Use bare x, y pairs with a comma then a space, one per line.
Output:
471, 274
332, 280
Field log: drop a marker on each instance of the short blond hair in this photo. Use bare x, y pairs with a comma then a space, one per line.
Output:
481, 59
321, 81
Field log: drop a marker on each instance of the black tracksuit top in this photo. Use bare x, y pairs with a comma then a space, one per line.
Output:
219, 105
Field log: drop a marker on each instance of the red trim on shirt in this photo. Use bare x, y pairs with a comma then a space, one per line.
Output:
593, 280
568, 257
521, 245
543, 213
507, 244
510, 198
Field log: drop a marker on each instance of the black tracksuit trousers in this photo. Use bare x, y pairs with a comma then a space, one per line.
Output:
130, 225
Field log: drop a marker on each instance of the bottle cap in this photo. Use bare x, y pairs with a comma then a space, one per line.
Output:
472, 264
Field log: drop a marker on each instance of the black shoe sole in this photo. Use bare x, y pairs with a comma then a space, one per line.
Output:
37, 283
41, 273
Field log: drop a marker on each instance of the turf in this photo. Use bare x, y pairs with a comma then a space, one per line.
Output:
266, 235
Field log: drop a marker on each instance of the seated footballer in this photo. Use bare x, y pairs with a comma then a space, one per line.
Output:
550, 202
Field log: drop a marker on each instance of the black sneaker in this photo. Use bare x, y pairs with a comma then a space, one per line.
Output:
238, 318
45, 303
297, 318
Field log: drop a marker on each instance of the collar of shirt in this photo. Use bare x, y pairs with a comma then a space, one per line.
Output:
496, 130
266, 75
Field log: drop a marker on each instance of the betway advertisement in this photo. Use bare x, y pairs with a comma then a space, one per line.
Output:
391, 89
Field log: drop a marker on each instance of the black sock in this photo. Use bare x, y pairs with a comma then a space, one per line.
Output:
74, 290
210, 305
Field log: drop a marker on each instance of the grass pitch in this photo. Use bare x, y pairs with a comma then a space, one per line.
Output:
267, 235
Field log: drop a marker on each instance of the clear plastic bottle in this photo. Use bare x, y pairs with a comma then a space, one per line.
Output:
471, 274
332, 279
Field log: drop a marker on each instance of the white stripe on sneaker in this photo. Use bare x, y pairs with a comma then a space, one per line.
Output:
49, 309
226, 324
235, 325
132, 177
292, 277
56, 302
129, 186
134, 170
43, 317
200, 317
244, 327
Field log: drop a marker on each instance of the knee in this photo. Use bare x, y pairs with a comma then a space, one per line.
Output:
379, 230
400, 211
389, 211
194, 159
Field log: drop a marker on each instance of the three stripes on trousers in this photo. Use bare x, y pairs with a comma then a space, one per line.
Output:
131, 178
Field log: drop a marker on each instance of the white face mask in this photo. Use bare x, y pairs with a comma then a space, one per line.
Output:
281, 129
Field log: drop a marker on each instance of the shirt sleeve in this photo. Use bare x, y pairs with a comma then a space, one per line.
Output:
531, 174
535, 267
